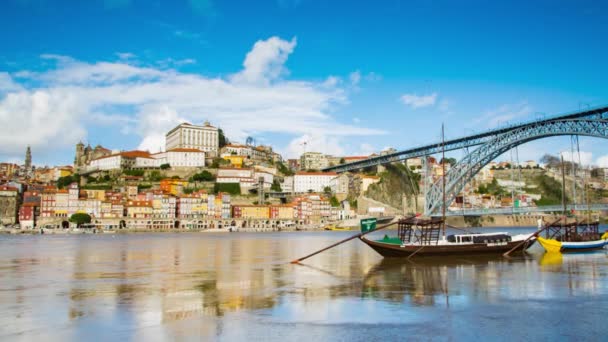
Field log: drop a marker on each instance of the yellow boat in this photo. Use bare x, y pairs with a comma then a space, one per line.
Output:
335, 228
554, 246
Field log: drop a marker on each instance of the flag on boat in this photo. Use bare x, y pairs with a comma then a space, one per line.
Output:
368, 224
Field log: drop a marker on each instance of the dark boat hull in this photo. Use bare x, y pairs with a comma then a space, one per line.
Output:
395, 251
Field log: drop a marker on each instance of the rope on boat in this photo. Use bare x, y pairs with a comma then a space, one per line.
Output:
418, 250
506, 255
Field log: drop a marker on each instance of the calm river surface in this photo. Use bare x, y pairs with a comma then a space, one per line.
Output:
240, 287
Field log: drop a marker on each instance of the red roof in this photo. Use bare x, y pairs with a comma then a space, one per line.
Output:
8, 188
355, 158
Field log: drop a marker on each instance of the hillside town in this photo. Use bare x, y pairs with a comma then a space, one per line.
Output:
202, 181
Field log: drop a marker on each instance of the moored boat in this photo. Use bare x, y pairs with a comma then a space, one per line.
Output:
422, 238
573, 237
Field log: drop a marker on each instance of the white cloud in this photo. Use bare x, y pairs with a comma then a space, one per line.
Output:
355, 78
508, 113
7, 84
419, 101
313, 142
265, 62
332, 81
585, 158
366, 149
153, 99
602, 161
39, 118
125, 55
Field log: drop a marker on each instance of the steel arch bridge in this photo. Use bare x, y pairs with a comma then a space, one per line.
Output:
596, 113
462, 172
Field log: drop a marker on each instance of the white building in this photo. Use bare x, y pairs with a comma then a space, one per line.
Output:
267, 176
315, 181
313, 161
245, 177
339, 184
237, 150
287, 185
181, 157
112, 162
186, 135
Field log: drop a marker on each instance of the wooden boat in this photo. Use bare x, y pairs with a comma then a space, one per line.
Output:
422, 238
573, 237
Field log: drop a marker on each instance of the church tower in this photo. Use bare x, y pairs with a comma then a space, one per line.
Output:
28, 158
79, 154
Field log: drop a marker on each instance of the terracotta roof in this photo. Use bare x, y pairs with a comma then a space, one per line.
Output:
355, 157
136, 154
8, 188
129, 154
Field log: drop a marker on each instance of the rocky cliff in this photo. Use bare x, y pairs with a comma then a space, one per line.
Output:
398, 187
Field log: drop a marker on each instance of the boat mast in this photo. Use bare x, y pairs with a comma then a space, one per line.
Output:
563, 186
443, 177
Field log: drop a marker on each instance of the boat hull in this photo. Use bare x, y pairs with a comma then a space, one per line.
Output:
554, 246
389, 250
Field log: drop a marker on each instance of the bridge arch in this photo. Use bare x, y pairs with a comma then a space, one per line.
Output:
463, 171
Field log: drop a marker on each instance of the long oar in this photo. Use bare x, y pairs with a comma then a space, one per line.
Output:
347, 239
531, 236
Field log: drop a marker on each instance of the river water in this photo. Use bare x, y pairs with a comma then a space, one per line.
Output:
240, 286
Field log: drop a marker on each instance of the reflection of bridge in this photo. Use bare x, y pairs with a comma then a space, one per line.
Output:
489, 145
524, 210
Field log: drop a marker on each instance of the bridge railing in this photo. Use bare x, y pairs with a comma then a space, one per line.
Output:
526, 210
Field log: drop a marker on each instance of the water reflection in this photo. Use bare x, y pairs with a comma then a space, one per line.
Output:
234, 286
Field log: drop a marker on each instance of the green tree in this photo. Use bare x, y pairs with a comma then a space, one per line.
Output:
450, 161
80, 218
223, 141
276, 186
342, 161
136, 173
327, 190
231, 188
165, 166
62, 182
203, 176
155, 176
284, 169
217, 162
333, 201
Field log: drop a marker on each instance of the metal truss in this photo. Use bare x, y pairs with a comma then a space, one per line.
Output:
597, 113
462, 172
525, 210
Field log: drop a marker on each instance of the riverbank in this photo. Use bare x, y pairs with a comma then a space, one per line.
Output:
492, 221
45, 231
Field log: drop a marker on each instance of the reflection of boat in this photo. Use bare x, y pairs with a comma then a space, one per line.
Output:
573, 237
421, 237
551, 259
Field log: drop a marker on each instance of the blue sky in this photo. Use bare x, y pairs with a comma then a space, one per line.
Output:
346, 77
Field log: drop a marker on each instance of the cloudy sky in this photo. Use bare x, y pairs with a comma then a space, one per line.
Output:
341, 77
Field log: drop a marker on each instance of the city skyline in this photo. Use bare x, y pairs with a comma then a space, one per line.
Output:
123, 73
